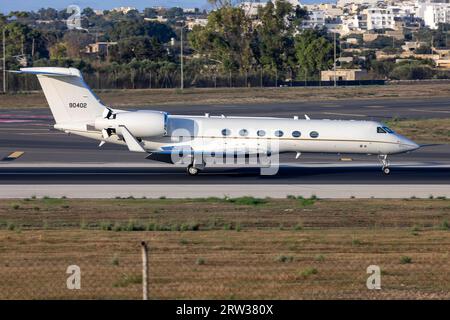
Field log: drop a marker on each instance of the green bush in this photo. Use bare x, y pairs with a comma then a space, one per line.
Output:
445, 225
127, 280
405, 260
308, 272
285, 259
247, 201
10, 226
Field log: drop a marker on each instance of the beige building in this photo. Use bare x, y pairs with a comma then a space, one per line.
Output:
343, 74
99, 47
443, 63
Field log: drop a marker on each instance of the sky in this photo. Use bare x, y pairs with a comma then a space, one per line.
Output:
32, 5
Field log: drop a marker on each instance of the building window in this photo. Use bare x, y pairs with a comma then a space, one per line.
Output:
226, 132
314, 134
296, 134
261, 133
243, 132
279, 133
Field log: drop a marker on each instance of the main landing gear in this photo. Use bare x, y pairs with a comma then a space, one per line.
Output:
385, 162
192, 171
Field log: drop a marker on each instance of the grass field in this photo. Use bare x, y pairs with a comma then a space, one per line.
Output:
148, 97
423, 130
243, 248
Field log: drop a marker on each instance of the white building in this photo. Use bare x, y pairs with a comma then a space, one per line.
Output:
352, 23
331, 10
189, 10
251, 8
343, 3
294, 3
436, 13
124, 10
379, 18
316, 19
191, 23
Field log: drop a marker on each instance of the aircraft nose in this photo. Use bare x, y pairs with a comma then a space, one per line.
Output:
408, 145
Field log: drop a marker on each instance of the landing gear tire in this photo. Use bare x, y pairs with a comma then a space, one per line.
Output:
192, 171
385, 162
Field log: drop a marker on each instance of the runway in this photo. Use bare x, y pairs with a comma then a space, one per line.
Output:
165, 175
54, 158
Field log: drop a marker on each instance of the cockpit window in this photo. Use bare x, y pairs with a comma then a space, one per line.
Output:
380, 130
388, 130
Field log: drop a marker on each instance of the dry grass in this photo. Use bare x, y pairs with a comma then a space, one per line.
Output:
424, 130
147, 97
240, 250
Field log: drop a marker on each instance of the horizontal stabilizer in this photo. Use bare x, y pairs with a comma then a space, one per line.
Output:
53, 72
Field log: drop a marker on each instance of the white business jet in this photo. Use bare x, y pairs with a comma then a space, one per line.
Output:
166, 138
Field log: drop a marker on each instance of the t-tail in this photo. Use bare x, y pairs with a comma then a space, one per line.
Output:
70, 99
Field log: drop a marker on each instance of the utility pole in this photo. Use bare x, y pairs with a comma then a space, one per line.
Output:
182, 59
4, 60
334, 67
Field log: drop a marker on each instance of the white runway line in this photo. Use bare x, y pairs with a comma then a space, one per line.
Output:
433, 111
326, 191
344, 114
149, 164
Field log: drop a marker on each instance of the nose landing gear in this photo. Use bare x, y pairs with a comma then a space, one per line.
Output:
385, 162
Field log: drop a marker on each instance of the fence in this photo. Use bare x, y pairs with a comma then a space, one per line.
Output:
150, 80
101, 275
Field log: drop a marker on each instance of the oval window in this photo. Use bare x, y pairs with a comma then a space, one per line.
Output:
314, 134
243, 132
296, 134
261, 133
279, 133
226, 132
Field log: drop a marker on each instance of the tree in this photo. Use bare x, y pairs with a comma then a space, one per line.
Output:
126, 29
314, 52
412, 71
20, 40
88, 12
174, 13
382, 69
75, 41
138, 48
48, 14
226, 39
274, 36
58, 51
150, 13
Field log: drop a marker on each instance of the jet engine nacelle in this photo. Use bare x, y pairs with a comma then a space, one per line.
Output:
141, 124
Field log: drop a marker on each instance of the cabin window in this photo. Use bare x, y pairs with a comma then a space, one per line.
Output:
261, 133
380, 130
388, 130
279, 133
296, 134
314, 134
243, 132
226, 132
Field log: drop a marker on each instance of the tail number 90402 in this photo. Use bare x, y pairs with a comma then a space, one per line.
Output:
77, 105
